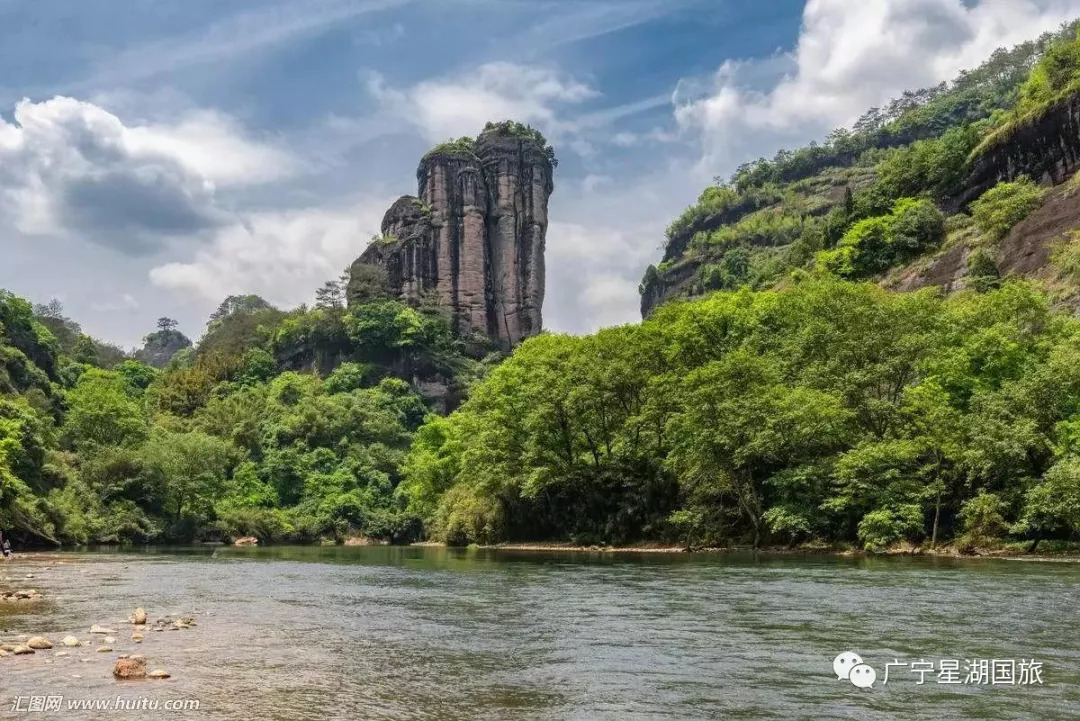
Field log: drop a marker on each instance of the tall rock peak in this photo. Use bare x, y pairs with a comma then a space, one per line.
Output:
472, 240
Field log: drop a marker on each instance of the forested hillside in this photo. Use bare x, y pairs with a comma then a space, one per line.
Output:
284, 425
913, 180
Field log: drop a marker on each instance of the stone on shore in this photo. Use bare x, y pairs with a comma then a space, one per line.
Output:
39, 642
246, 541
129, 668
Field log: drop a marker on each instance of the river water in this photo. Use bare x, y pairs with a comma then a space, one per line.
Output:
434, 633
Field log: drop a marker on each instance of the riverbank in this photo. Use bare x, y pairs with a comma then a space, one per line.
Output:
1062, 551
1049, 551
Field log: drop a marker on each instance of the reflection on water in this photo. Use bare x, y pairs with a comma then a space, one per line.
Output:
433, 633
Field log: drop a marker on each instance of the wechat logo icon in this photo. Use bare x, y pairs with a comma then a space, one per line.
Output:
849, 666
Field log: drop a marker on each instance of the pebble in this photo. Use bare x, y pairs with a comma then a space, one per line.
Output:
158, 673
129, 668
104, 649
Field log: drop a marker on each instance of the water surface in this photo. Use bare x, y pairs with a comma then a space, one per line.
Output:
433, 633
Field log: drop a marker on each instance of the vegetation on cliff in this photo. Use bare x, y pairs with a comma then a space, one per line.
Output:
809, 209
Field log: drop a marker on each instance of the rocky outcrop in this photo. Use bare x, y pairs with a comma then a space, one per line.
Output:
472, 242
1043, 145
676, 280
1025, 251
160, 347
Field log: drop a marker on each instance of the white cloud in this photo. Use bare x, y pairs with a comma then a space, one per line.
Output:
453, 107
851, 56
211, 145
592, 274
70, 168
282, 256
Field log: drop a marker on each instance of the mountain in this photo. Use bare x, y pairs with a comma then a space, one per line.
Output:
912, 195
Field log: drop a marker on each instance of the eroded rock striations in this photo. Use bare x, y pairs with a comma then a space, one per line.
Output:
1044, 146
472, 242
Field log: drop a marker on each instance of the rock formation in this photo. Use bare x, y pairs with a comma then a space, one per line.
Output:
472, 242
1044, 146
160, 347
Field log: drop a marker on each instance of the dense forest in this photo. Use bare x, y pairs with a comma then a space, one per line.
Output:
796, 401
290, 426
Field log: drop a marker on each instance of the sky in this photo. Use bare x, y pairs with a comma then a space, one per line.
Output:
156, 157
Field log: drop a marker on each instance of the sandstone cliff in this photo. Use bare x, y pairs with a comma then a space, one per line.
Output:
1044, 146
472, 242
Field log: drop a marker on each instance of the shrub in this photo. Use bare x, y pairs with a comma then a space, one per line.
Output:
982, 270
885, 526
1005, 205
875, 244
982, 521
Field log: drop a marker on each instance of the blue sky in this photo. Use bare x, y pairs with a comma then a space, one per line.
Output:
156, 157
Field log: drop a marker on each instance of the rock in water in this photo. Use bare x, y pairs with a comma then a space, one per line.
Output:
69, 641
39, 642
22, 650
101, 629
158, 673
137, 637
130, 668
139, 617
104, 649
246, 541
108, 640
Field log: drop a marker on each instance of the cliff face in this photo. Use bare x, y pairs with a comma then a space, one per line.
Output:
472, 242
1044, 146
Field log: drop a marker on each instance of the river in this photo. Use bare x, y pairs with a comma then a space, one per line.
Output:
434, 633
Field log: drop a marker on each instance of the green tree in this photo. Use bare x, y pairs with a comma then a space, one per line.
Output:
743, 425
103, 412
192, 468
1053, 504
